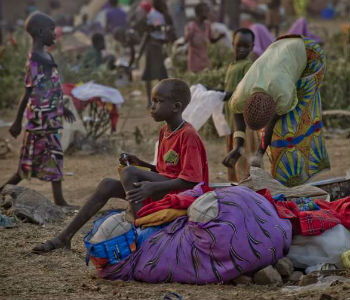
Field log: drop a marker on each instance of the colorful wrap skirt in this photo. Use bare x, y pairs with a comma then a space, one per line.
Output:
297, 150
41, 156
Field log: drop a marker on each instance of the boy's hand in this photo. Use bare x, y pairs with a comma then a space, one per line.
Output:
68, 115
15, 129
232, 157
129, 158
142, 191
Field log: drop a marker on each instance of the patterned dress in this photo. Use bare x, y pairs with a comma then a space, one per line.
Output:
41, 154
298, 147
198, 43
243, 235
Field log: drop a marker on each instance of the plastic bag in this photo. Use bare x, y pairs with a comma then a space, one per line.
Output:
328, 247
204, 104
90, 90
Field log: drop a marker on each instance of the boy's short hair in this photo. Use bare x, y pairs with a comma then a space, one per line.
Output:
178, 90
244, 31
35, 21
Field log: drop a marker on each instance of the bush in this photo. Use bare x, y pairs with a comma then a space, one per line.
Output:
12, 63
335, 90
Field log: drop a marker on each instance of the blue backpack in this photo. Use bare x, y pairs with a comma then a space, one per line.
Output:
113, 250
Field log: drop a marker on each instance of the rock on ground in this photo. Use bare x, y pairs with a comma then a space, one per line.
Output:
309, 279
268, 275
29, 205
284, 266
243, 279
295, 276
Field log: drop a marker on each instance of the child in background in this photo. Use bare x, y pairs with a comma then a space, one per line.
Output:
198, 35
158, 20
115, 17
243, 43
93, 58
273, 15
41, 154
128, 38
181, 164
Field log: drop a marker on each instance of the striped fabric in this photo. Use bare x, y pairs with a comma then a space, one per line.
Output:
298, 147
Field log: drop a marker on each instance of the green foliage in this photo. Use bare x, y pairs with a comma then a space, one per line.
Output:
212, 78
12, 63
335, 90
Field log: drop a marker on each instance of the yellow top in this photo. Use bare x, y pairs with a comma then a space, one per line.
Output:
275, 73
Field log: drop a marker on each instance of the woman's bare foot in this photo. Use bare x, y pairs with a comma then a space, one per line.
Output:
51, 245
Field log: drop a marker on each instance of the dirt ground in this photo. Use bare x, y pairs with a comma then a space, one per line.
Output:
64, 275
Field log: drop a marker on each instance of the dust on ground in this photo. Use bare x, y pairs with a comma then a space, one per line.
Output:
63, 273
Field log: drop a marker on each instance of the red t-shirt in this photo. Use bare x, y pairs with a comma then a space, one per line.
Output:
182, 155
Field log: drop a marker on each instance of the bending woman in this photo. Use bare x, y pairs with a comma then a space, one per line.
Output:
280, 94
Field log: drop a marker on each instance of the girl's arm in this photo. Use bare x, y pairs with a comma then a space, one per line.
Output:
239, 136
215, 40
16, 127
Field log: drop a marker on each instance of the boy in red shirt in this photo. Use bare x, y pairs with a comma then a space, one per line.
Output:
181, 164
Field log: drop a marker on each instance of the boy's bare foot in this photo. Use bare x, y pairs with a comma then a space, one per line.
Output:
51, 245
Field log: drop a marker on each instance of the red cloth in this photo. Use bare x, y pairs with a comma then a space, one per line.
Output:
309, 222
341, 207
114, 116
178, 201
182, 155
80, 105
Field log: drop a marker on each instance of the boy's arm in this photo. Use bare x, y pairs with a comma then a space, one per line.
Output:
146, 189
239, 134
16, 127
147, 165
131, 159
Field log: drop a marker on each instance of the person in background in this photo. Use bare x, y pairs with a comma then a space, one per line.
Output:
273, 15
243, 43
198, 35
128, 38
158, 22
178, 14
115, 17
93, 58
300, 7
263, 39
41, 154
300, 26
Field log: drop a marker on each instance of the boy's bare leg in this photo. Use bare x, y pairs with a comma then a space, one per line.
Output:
131, 175
57, 193
15, 179
107, 189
